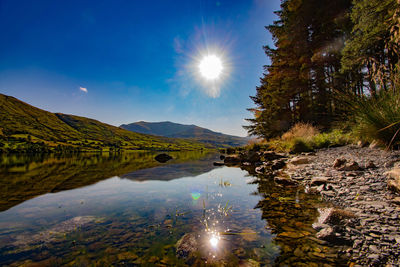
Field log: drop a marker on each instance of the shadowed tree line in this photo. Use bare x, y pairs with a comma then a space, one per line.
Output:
327, 56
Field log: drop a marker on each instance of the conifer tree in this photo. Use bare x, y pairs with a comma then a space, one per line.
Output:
300, 82
373, 46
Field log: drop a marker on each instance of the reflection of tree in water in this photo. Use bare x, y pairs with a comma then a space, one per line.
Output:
25, 176
290, 214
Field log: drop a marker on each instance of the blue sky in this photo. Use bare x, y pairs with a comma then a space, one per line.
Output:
137, 60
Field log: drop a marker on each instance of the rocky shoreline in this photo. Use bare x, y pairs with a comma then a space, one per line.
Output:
362, 183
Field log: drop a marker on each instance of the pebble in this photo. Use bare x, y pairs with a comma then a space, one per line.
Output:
375, 230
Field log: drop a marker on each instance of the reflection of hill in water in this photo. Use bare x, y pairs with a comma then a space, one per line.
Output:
172, 171
23, 177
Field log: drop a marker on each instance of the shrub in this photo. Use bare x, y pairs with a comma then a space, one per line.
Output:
301, 130
309, 141
322, 140
333, 138
378, 118
298, 145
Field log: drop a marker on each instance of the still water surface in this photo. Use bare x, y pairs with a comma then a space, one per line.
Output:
129, 210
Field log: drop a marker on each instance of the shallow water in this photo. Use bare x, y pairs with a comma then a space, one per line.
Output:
129, 210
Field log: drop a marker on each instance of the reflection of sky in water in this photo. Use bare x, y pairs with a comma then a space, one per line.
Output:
119, 194
198, 200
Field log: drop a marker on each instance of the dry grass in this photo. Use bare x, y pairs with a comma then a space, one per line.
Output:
301, 130
256, 140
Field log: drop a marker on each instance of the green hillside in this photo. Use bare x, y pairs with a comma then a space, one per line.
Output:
25, 128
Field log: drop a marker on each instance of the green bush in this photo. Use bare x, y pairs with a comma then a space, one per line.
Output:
320, 140
298, 145
332, 138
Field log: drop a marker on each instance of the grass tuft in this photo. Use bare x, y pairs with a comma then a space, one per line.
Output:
378, 118
305, 131
305, 138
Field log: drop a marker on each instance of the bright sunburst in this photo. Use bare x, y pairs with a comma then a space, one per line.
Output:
211, 67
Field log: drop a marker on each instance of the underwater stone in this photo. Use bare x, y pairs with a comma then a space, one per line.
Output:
186, 245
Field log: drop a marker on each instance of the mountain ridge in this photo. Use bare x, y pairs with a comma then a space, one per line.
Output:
192, 132
25, 128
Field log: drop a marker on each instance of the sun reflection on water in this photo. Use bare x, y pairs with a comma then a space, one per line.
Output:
214, 241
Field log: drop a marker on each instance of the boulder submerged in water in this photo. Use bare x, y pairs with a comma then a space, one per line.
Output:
162, 158
186, 246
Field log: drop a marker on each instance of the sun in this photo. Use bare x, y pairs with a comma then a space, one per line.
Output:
210, 67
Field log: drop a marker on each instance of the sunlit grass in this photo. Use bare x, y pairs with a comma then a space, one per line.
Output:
303, 137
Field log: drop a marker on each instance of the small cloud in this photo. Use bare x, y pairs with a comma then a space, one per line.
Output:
178, 45
83, 89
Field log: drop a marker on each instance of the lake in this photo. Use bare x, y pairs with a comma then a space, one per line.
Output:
129, 210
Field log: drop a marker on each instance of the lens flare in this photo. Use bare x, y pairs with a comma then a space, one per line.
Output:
195, 195
211, 67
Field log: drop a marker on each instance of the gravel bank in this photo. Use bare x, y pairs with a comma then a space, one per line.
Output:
358, 186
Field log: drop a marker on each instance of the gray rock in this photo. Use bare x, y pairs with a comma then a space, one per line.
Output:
328, 234
370, 165
186, 245
299, 160
364, 187
278, 164
374, 249
232, 160
339, 162
250, 156
352, 166
325, 233
260, 169
334, 216
373, 256
320, 188
319, 226
271, 155
374, 144
389, 164
316, 181
393, 182
329, 193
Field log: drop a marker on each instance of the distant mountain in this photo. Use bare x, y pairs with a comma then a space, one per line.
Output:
176, 130
27, 128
